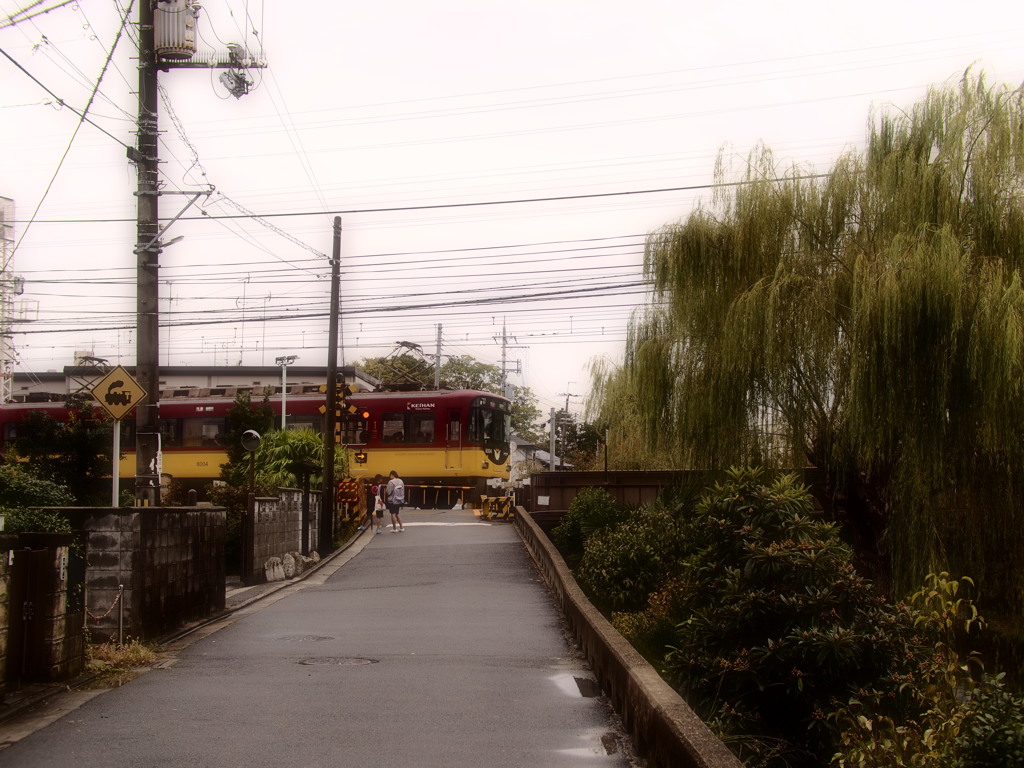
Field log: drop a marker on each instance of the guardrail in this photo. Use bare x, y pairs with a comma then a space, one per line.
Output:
665, 731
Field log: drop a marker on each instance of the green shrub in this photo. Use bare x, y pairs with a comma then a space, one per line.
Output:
950, 718
36, 521
623, 564
775, 624
20, 488
592, 510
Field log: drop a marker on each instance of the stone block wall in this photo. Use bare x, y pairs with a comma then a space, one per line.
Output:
151, 569
278, 528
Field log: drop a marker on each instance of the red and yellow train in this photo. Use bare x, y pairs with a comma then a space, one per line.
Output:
450, 446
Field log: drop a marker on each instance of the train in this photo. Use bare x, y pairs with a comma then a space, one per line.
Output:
450, 446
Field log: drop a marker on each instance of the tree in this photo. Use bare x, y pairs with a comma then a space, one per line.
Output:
75, 453
868, 322
579, 442
244, 415
403, 372
281, 453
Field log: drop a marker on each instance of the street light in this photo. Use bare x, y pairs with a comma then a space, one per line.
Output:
284, 361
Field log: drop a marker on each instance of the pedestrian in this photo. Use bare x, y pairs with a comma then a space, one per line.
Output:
395, 500
377, 502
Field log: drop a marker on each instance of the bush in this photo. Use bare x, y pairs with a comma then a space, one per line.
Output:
950, 718
20, 488
36, 521
592, 510
774, 623
623, 564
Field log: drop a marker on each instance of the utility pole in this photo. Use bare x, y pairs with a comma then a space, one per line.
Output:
328, 501
147, 252
553, 423
504, 360
437, 360
167, 32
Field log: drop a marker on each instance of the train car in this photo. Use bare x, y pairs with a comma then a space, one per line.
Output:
450, 446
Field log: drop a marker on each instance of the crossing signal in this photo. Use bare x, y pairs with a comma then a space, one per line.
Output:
342, 406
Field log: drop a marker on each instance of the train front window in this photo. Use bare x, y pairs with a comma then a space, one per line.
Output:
488, 427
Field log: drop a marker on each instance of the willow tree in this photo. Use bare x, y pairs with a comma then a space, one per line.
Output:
867, 322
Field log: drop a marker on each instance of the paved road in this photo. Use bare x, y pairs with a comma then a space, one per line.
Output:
439, 646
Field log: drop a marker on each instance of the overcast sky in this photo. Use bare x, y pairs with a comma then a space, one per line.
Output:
493, 163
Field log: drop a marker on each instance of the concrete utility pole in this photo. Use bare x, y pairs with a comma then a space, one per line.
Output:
505, 389
147, 252
166, 40
329, 501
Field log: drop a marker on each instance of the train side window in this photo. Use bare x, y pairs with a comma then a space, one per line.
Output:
421, 428
203, 431
10, 432
170, 432
392, 428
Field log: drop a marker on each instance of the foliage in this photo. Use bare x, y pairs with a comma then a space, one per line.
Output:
118, 664
952, 718
20, 488
244, 415
592, 509
612, 404
36, 521
400, 371
75, 453
774, 623
868, 321
578, 442
623, 564
280, 455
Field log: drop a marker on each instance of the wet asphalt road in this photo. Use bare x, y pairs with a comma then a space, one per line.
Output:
439, 646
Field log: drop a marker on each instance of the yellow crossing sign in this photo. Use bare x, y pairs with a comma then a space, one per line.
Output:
118, 392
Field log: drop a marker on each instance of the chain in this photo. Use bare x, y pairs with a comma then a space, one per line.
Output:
120, 591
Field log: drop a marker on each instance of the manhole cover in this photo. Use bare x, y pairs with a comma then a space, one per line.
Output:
304, 638
336, 661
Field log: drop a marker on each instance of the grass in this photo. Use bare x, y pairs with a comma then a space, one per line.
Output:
116, 664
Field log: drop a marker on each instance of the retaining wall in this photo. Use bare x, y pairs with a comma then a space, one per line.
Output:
665, 731
150, 569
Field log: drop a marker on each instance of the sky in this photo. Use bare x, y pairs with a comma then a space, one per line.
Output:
496, 166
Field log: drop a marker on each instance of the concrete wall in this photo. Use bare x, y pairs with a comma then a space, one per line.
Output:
664, 729
278, 529
150, 570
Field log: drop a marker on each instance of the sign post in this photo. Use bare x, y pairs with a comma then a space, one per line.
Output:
117, 392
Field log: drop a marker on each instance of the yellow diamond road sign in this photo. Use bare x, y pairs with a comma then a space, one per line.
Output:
118, 392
